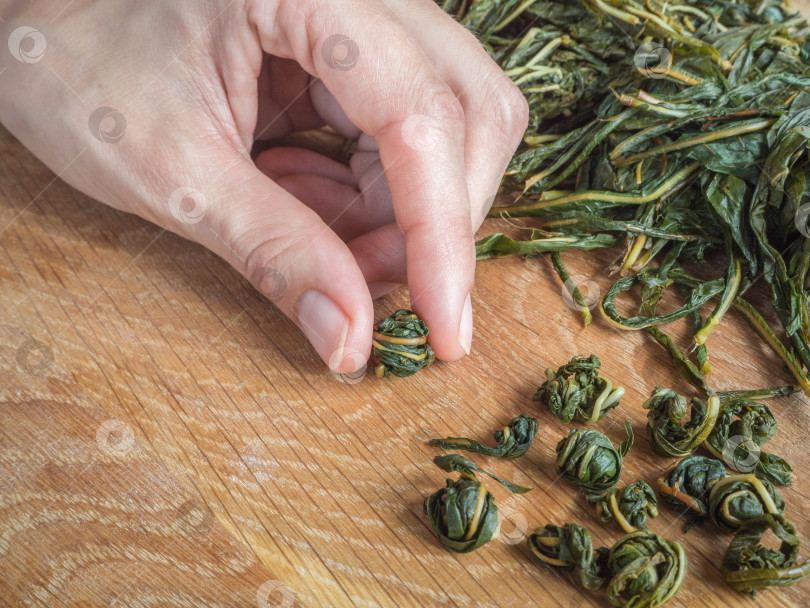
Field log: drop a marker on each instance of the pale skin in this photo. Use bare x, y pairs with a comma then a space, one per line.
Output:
198, 83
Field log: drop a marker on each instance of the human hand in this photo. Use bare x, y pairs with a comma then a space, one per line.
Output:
174, 97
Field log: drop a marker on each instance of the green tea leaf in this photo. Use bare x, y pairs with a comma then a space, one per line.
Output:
630, 505
748, 565
463, 515
669, 434
576, 391
513, 440
400, 345
646, 570
734, 499
742, 428
686, 487
570, 547
467, 468
587, 458
672, 127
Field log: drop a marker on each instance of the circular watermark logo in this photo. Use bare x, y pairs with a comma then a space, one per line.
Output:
589, 290
270, 282
338, 360
195, 517
340, 52
275, 594
421, 132
34, 357
115, 438
514, 525
187, 205
652, 60
741, 453
27, 44
107, 124
802, 220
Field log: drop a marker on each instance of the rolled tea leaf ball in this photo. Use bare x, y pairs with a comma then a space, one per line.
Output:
748, 565
742, 428
645, 569
463, 514
400, 345
576, 391
686, 487
734, 499
513, 440
570, 547
669, 434
630, 505
587, 458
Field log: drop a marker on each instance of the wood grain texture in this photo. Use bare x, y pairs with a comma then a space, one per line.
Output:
168, 438
89, 516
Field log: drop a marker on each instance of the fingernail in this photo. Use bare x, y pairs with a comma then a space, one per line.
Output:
325, 326
466, 326
378, 289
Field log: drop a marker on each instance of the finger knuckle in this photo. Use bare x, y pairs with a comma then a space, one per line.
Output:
444, 106
268, 264
511, 112
455, 229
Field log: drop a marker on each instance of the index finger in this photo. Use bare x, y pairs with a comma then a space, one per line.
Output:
388, 88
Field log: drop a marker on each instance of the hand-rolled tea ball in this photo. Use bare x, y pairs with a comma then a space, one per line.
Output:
513, 440
400, 345
587, 458
749, 565
570, 547
742, 428
686, 487
463, 514
669, 434
646, 570
576, 391
734, 499
630, 505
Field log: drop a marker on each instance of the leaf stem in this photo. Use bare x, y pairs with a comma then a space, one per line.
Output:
572, 288
695, 141
676, 180
760, 326
726, 300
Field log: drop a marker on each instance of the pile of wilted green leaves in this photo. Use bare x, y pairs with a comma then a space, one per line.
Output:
680, 129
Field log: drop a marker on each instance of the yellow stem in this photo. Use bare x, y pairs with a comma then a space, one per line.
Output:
606, 197
633, 254
714, 321
396, 340
694, 141
379, 346
614, 506
479, 509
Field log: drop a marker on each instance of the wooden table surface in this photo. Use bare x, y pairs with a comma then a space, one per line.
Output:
168, 438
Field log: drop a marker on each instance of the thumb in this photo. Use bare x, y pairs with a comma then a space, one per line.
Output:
294, 259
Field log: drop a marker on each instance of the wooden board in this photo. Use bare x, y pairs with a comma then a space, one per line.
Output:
168, 438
